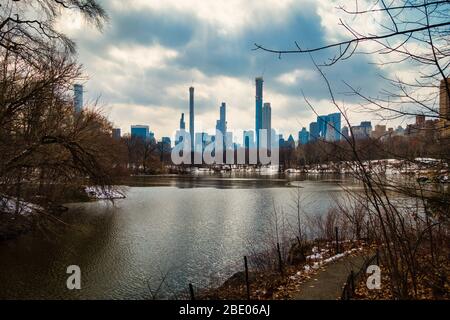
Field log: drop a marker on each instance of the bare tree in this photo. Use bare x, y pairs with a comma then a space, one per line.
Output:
407, 218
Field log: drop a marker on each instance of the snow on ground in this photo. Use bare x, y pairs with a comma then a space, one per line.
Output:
318, 260
9, 206
98, 193
391, 167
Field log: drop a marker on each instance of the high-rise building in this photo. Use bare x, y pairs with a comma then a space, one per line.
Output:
345, 132
182, 123
151, 137
166, 144
314, 131
191, 117
444, 107
116, 133
290, 143
322, 124
303, 136
363, 131
367, 125
179, 135
249, 139
221, 124
329, 127
267, 122
333, 128
78, 97
281, 141
379, 131
259, 105
140, 131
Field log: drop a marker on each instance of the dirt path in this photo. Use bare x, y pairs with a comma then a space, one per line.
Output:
327, 284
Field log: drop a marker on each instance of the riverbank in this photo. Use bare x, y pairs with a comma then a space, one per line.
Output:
19, 217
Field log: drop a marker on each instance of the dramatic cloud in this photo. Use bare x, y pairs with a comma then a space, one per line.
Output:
151, 51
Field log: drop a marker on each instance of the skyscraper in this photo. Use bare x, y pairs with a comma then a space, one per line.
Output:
379, 132
303, 136
329, 127
116, 133
191, 117
140, 131
363, 131
314, 132
322, 124
259, 105
333, 131
290, 143
166, 144
267, 122
182, 123
221, 124
249, 139
345, 132
78, 97
444, 108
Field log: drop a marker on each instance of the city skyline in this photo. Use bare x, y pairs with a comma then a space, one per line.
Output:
326, 127
150, 52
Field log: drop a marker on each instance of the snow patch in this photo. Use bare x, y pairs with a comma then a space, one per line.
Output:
11, 206
98, 193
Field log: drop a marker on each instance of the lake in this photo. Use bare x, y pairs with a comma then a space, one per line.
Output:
190, 228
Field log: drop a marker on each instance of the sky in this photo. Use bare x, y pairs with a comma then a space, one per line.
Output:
141, 65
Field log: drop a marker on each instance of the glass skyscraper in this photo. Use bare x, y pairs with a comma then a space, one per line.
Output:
303, 136
333, 132
328, 127
259, 105
191, 117
267, 122
314, 131
221, 124
78, 97
140, 131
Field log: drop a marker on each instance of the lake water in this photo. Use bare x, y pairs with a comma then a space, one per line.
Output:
192, 228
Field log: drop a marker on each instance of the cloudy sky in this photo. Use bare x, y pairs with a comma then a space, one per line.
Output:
151, 51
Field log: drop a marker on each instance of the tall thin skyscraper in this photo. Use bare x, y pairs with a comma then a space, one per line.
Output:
267, 122
191, 117
221, 124
182, 123
223, 117
259, 105
78, 97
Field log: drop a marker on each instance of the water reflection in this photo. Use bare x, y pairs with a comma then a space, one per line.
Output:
191, 227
